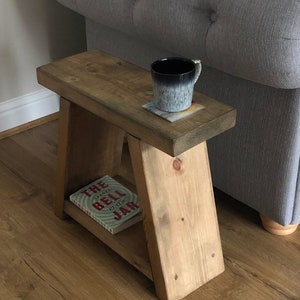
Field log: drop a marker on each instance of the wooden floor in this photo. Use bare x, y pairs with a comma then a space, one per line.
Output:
43, 257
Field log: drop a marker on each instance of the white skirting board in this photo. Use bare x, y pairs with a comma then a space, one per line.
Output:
21, 110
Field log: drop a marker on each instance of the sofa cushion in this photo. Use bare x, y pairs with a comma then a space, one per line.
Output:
257, 40
252, 39
117, 14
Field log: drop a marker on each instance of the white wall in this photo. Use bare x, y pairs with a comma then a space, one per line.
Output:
32, 33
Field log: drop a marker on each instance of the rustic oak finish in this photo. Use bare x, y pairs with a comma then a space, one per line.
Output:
45, 258
101, 101
88, 148
114, 90
179, 217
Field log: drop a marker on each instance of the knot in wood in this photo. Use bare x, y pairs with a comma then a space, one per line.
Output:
177, 164
91, 67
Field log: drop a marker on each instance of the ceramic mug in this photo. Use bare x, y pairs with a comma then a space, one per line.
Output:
173, 82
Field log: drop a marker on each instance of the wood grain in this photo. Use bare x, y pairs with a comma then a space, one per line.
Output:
130, 244
42, 257
83, 78
28, 125
89, 148
89, 145
179, 217
93, 109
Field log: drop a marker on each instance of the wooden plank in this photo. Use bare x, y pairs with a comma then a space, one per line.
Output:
62, 157
129, 244
40, 174
179, 217
119, 96
40, 134
88, 148
44, 258
28, 125
125, 170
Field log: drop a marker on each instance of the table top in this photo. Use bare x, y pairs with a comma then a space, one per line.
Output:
115, 90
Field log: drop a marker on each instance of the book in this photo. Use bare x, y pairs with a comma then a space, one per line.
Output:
109, 203
173, 116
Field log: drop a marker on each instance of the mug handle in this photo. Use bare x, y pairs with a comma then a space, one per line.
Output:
198, 69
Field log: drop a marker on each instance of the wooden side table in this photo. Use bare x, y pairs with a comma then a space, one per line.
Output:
178, 244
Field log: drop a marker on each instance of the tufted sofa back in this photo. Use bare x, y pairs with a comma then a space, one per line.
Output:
252, 39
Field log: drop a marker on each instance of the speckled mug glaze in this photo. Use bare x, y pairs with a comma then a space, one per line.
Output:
173, 82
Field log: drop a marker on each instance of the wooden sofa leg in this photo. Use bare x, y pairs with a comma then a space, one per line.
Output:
276, 228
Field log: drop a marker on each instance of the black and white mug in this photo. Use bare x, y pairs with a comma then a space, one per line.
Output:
173, 82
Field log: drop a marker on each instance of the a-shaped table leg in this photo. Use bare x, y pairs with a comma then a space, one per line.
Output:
180, 219
88, 148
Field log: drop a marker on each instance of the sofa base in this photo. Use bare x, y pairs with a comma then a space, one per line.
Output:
276, 228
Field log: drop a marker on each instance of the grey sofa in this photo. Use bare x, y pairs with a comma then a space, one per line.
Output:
250, 50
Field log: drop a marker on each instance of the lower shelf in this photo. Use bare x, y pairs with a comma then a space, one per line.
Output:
129, 244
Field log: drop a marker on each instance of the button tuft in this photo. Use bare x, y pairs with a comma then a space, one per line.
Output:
213, 16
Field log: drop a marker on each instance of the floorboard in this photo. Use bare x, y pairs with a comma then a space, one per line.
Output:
43, 257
